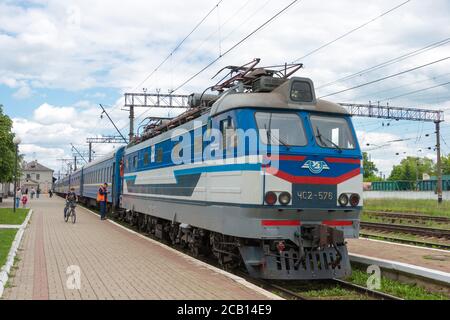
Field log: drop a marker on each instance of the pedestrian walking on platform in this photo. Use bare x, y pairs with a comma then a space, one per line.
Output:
102, 199
32, 192
18, 197
24, 201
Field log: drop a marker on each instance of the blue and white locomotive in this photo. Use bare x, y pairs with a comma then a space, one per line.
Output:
282, 207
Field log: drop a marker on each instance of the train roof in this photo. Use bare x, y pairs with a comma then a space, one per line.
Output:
279, 98
108, 156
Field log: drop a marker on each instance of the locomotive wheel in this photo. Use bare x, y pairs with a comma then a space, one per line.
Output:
142, 222
149, 228
195, 251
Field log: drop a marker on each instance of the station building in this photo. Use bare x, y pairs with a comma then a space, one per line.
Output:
36, 175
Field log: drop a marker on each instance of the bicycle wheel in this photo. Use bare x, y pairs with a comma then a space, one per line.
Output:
74, 216
66, 218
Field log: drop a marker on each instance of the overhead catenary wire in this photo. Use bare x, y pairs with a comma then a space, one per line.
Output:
179, 44
229, 50
351, 31
236, 45
416, 91
403, 86
386, 77
222, 39
389, 62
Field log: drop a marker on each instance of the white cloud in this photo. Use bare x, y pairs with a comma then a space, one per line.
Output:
24, 92
47, 114
77, 45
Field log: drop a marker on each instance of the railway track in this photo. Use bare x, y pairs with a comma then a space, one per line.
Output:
369, 292
285, 290
288, 292
408, 216
420, 243
419, 231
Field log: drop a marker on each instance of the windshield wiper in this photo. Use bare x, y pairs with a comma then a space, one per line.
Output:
322, 137
270, 136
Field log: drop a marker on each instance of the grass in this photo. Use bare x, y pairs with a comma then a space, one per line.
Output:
337, 293
7, 216
321, 290
6, 240
12, 272
430, 207
395, 288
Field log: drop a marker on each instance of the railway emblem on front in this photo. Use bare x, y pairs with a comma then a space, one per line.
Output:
315, 167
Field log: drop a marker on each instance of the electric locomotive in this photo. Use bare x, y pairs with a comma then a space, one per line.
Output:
281, 206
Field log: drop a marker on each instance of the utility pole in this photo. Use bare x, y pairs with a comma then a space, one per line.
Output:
438, 161
153, 100
74, 148
75, 162
104, 139
120, 133
131, 134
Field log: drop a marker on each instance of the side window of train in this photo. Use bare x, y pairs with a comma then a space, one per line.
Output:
228, 129
208, 128
159, 155
146, 158
177, 151
198, 147
135, 162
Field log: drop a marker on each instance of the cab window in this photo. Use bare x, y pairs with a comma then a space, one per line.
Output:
278, 128
332, 132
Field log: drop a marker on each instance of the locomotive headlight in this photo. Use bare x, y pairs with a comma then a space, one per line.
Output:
270, 198
354, 199
284, 198
343, 199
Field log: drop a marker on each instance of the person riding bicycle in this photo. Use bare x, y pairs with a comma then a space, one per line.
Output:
71, 200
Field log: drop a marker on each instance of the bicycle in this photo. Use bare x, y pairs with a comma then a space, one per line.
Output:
71, 213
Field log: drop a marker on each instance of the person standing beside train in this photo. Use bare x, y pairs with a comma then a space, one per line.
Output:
102, 198
18, 197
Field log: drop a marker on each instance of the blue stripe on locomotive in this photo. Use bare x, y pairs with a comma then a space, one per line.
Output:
244, 119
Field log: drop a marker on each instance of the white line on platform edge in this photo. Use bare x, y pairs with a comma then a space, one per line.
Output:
233, 277
4, 272
433, 274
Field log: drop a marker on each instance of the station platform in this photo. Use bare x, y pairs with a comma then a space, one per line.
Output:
114, 263
435, 259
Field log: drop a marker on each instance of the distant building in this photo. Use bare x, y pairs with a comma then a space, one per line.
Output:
36, 175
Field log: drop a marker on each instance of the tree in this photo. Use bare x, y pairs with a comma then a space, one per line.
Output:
412, 169
445, 160
369, 168
7, 148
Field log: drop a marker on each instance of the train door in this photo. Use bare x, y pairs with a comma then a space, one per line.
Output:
225, 175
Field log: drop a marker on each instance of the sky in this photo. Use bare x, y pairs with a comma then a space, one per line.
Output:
60, 59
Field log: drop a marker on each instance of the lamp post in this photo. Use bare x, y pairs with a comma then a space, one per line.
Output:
16, 142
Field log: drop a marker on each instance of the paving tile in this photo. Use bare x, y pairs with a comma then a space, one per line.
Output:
114, 263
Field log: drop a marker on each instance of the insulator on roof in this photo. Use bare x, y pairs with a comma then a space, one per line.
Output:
206, 99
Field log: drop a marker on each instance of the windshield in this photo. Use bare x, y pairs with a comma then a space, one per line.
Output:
332, 132
280, 128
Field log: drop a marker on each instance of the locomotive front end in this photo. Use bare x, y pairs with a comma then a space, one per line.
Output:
312, 194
